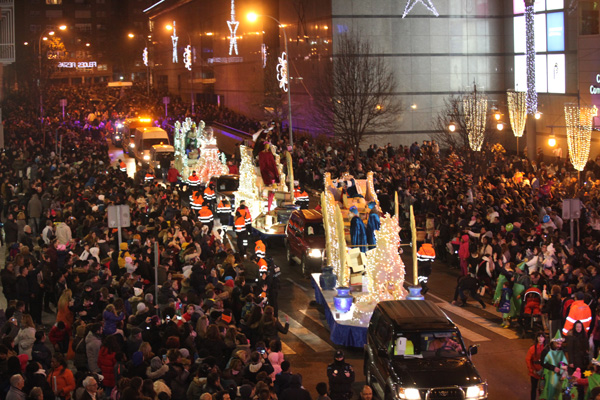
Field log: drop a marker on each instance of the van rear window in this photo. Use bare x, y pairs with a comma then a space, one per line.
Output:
148, 143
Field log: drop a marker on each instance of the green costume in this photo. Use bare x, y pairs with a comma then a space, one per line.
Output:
593, 381
552, 380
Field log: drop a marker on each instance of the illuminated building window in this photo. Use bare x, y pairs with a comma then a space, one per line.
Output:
589, 20
53, 2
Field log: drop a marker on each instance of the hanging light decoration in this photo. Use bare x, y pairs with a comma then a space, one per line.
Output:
282, 72
517, 111
579, 133
475, 110
530, 57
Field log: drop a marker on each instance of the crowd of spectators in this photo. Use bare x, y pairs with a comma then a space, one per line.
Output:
494, 216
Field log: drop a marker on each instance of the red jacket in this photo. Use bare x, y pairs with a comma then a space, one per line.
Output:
533, 361
58, 336
172, 175
106, 362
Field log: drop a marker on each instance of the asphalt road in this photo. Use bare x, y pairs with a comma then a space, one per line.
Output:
501, 357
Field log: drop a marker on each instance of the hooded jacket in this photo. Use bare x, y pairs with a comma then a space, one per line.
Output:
92, 347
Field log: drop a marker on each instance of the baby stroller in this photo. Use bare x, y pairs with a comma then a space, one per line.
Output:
530, 320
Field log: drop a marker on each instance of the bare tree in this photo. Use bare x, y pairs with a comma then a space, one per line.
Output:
453, 113
356, 97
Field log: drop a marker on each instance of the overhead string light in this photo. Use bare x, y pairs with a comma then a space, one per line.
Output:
233, 26
174, 39
517, 111
282, 72
532, 101
145, 56
475, 110
579, 133
427, 3
187, 57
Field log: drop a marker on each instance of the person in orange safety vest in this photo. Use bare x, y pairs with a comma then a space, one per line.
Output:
425, 259
206, 217
241, 233
197, 200
579, 311
260, 249
122, 166
224, 211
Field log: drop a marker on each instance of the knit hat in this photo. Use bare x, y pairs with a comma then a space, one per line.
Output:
155, 364
137, 358
185, 353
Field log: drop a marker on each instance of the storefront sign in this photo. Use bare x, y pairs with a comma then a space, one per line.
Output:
595, 89
80, 64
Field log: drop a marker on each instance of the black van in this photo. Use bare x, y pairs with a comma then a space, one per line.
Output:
415, 352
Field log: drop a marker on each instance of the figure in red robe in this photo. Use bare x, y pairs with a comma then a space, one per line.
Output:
268, 168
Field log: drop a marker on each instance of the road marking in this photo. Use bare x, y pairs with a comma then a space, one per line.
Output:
286, 349
312, 340
313, 314
484, 323
472, 336
297, 284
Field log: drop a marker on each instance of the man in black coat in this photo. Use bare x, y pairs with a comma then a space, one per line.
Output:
467, 285
11, 230
295, 391
341, 377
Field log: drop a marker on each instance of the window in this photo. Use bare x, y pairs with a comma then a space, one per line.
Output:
35, 28
83, 27
100, 14
589, 18
54, 14
550, 63
83, 14
35, 13
53, 2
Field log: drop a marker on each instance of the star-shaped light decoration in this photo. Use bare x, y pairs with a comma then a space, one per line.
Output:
174, 38
187, 57
145, 56
233, 26
282, 72
427, 3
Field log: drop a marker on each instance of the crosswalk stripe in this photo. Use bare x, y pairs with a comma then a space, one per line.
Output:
471, 335
313, 314
312, 340
484, 323
286, 349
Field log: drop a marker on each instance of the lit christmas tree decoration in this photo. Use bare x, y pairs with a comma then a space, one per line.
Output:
209, 163
475, 110
248, 189
328, 205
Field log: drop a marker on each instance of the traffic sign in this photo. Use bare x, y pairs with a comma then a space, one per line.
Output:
118, 216
571, 209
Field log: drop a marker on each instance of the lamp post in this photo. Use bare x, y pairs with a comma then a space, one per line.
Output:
50, 32
253, 17
146, 61
191, 63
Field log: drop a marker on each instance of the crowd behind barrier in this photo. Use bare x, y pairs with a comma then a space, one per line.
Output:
213, 328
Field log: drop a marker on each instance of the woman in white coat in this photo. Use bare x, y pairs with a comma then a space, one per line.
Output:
26, 336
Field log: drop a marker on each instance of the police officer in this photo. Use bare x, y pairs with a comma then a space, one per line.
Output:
341, 377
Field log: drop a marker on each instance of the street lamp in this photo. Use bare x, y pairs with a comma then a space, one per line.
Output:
132, 36
252, 17
169, 28
50, 32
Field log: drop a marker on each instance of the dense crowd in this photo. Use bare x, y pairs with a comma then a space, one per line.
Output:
206, 326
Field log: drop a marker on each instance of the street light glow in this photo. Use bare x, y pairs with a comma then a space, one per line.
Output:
169, 27
252, 16
131, 35
62, 27
26, 43
87, 45
51, 33
44, 38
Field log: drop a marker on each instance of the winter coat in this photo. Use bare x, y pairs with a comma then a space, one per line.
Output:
63, 234
110, 322
65, 381
79, 347
92, 347
270, 331
106, 362
25, 339
463, 250
34, 207
176, 379
42, 354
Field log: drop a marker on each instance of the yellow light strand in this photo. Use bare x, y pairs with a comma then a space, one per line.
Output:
475, 109
517, 111
579, 133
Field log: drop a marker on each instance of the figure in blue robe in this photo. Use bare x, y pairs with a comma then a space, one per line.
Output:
358, 231
373, 225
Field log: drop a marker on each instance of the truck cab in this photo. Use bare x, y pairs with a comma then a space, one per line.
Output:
145, 139
305, 240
